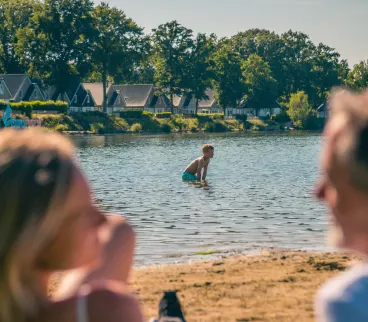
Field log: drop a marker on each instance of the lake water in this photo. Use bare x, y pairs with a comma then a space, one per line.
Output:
260, 192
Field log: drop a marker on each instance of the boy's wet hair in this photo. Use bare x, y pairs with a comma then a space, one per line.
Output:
207, 147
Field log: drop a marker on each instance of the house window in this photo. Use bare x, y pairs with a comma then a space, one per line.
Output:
118, 100
75, 99
1, 89
20, 94
35, 94
88, 99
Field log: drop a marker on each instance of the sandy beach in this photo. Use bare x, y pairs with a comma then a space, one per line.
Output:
271, 286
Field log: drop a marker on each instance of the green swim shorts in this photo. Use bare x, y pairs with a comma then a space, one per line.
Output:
189, 177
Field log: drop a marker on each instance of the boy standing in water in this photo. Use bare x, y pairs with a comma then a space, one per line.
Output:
197, 169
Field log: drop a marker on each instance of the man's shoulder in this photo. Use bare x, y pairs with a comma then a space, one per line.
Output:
342, 293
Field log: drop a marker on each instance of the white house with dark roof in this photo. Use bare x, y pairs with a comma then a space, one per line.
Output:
186, 105
244, 109
115, 100
141, 97
136, 96
20, 87
210, 105
78, 98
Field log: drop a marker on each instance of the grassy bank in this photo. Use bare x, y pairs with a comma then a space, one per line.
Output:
100, 123
270, 287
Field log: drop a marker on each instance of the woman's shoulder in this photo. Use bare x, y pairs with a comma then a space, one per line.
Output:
103, 301
111, 301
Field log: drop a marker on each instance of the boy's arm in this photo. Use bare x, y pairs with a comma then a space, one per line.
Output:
205, 172
199, 170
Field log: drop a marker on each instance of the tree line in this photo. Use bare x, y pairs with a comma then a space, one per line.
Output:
56, 40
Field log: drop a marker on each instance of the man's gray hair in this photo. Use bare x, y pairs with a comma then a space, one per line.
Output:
352, 145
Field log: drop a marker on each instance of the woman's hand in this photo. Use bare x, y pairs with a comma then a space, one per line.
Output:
118, 253
116, 261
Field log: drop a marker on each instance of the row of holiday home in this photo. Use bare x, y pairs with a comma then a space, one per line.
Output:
84, 97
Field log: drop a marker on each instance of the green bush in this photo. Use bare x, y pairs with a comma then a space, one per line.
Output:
98, 128
136, 127
241, 117
215, 127
166, 127
61, 127
192, 125
203, 118
165, 115
179, 123
28, 107
280, 118
216, 116
146, 113
131, 114
313, 123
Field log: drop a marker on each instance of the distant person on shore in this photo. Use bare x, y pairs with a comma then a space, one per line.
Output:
196, 171
344, 189
49, 224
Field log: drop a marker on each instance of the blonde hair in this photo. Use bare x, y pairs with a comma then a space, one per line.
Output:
207, 147
351, 147
36, 170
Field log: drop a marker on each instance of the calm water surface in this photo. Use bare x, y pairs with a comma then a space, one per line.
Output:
260, 192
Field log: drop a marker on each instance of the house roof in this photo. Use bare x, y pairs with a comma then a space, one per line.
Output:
177, 100
166, 100
72, 88
29, 92
207, 103
13, 82
135, 95
162, 99
51, 93
112, 98
96, 90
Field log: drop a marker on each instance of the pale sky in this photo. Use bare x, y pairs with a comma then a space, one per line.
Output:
341, 24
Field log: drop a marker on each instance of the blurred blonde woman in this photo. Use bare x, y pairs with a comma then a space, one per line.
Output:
49, 223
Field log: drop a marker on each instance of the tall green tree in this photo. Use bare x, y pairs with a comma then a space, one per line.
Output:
327, 71
358, 77
172, 47
298, 54
14, 15
118, 44
267, 45
299, 109
56, 42
261, 87
200, 68
229, 82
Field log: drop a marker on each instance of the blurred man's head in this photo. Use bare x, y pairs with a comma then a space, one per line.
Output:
344, 183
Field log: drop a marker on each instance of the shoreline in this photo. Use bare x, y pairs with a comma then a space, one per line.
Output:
205, 256
274, 285
92, 123
270, 132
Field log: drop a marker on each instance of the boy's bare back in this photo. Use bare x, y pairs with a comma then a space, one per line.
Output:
197, 165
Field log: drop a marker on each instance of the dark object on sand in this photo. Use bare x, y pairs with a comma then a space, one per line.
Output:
170, 308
